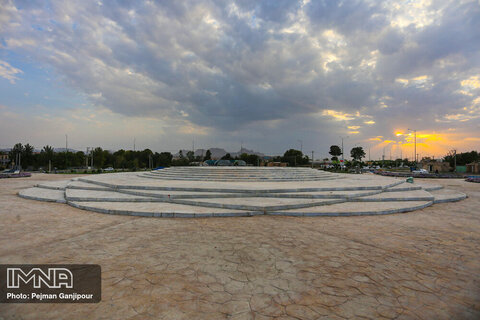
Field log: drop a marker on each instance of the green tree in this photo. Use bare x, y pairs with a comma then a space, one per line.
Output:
335, 151
227, 157
252, 159
145, 158
16, 153
462, 158
98, 158
120, 160
294, 157
163, 159
46, 155
78, 159
357, 153
27, 155
208, 155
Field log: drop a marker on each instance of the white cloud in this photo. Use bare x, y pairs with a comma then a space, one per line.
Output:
8, 72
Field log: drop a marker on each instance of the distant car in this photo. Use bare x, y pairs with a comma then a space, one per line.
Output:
108, 169
420, 171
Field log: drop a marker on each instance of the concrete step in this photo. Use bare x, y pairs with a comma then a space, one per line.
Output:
43, 194
127, 193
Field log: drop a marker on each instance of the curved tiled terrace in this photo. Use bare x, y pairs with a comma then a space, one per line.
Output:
241, 191
418, 265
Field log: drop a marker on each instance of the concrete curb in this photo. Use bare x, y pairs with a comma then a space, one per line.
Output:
39, 198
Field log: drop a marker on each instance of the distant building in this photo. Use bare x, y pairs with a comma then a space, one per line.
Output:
434, 166
473, 167
4, 160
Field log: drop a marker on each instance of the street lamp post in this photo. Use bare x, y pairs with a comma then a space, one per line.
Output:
342, 146
415, 144
66, 151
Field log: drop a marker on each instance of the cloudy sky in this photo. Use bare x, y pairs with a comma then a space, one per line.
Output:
272, 75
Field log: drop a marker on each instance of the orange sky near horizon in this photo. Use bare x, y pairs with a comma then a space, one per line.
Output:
429, 144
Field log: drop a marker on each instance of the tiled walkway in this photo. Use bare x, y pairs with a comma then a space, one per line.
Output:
419, 265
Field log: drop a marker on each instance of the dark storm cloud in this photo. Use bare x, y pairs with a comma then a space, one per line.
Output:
237, 65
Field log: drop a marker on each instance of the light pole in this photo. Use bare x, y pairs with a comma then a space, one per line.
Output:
312, 159
342, 146
301, 146
415, 144
66, 151
86, 159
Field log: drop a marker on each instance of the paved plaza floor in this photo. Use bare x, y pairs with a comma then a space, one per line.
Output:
423, 264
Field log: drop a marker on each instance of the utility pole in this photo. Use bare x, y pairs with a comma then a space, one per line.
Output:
415, 144
134, 143
342, 147
301, 145
66, 151
454, 160
312, 159
416, 158
383, 157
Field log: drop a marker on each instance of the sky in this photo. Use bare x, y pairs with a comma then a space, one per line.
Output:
266, 75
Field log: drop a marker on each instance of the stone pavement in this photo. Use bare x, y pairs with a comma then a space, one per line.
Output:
419, 265
187, 192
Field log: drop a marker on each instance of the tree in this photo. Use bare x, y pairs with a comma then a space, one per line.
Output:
294, 157
462, 158
98, 157
227, 157
208, 155
47, 153
190, 156
357, 153
27, 155
163, 159
144, 160
335, 151
120, 160
252, 159
16, 153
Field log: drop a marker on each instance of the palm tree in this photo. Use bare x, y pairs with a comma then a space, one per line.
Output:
47, 154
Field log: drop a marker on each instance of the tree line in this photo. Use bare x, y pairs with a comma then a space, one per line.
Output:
128, 159
99, 158
121, 159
